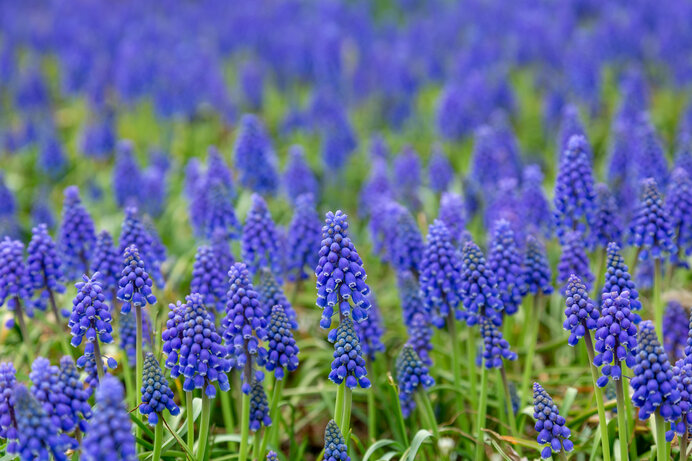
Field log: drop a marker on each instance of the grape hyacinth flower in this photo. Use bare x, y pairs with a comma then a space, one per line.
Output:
406, 249
259, 408
678, 207
551, 428
570, 125
127, 176
254, 157
127, 329
221, 247
410, 297
219, 214
340, 273
348, 364
217, 170
452, 213
157, 396
272, 456
649, 157
298, 178
607, 223
617, 277
282, 351
411, 376
208, 279
15, 285
440, 277
134, 286
440, 171
682, 377
135, 233
110, 433
505, 261
370, 331
8, 421
378, 187
574, 260
535, 208
675, 330
42, 211
495, 347
44, 267
77, 234
303, 238
651, 231
537, 274
407, 170
479, 288
260, 242
108, 262
420, 337
73, 407
271, 294
44, 384
335, 448
581, 314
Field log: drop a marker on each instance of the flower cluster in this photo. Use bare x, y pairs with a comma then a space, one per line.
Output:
370, 331
495, 347
678, 207
77, 234
220, 245
108, 262
44, 384
90, 316
88, 362
440, 171
259, 408
407, 170
607, 225
574, 260
157, 396
504, 260
73, 407
452, 213
675, 330
254, 157
340, 273
335, 448
271, 294
348, 363
298, 178
581, 314
411, 375
550, 426
135, 233
282, 351
406, 250
15, 284
134, 286
479, 288
172, 337
260, 242
303, 238
208, 279
420, 337
43, 264
216, 214
651, 231
536, 212
537, 275
617, 277
8, 421
410, 297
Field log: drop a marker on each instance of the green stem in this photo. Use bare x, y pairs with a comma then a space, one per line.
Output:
562, 455
273, 411
339, 404
683, 442
256, 445
139, 378
244, 428
228, 423
19, 315
510, 408
372, 419
622, 418
456, 367
482, 408
58, 322
602, 422
658, 306
98, 359
346, 421
190, 420
429, 412
158, 439
127, 374
204, 427
660, 437
598, 286
532, 339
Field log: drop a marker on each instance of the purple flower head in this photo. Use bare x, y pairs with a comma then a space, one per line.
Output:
452, 213
44, 384
675, 330
221, 246
407, 171
651, 231
260, 242
254, 157
537, 274
216, 211
406, 249
272, 456
570, 125
335, 448
682, 377
208, 279
383, 218
218, 171
420, 337
505, 204
574, 260
73, 406
88, 362
134, 286
98, 137
616, 336
370, 331
495, 347
479, 290
298, 177
15, 281
127, 177
135, 233
38, 436
172, 337
157, 395
410, 297
551, 428
652, 383
620, 164
495, 155
678, 208
649, 156
259, 408
42, 211
411, 376
505, 261
303, 239
52, 159
127, 330
282, 351
245, 322
581, 314
155, 189
340, 273
193, 177
348, 363
607, 222
108, 262
535, 208
440, 171
90, 316
8, 420
110, 433
574, 194
252, 84
77, 234
440, 277
43, 264
378, 187
617, 277
271, 294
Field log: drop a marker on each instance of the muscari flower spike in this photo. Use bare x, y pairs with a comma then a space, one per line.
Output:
303, 239
76, 235
348, 363
452, 213
272, 456
254, 157
420, 337
410, 297
535, 208
682, 377
616, 336
73, 407
406, 250
651, 231
8, 421
44, 264
479, 291
208, 279
108, 262
340, 273
260, 241
259, 408
382, 225
678, 207
495, 347
377, 187
505, 261
440, 171
90, 316
127, 329
574, 260
407, 170
127, 176
88, 362
607, 223
370, 331
134, 286
675, 330
411, 375
550, 426
220, 245
298, 177
581, 314
617, 277
157, 396
218, 214
440, 277
44, 383
537, 275
135, 233
271, 294
15, 283
335, 448
110, 433
282, 350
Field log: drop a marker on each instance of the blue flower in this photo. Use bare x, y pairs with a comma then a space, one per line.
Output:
678, 207
44, 386
110, 433
155, 188
303, 238
406, 249
675, 330
172, 337
15, 284
271, 294
607, 222
260, 242
378, 187
505, 262
157, 396
218, 213
134, 232
90, 316
208, 279
535, 208
581, 313
42, 211
127, 329
651, 231
52, 160
383, 218
272, 456
649, 156
570, 125
410, 297
88, 362
134, 286
574, 260
617, 277
370, 331
108, 262
217, 170
340, 273
420, 337
221, 247
616, 336
495, 347
453, 215
411, 376
127, 177
254, 157
440, 277
407, 171
440, 171
682, 377
480, 296
298, 177
73, 407
8, 422
504, 203
550, 426
335, 448
77, 234
282, 351
259, 408
44, 264
537, 273
348, 363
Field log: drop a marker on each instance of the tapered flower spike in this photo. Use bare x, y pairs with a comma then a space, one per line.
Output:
452, 213
581, 314
505, 204
216, 212
221, 246
76, 235
254, 157
675, 330
88, 363
44, 264
259, 408
411, 375
551, 428
108, 262
271, 294
303, 239
38, 437
440, 278
135, 233
8, 420
157, 396
298, 177
440, 171
335, 448
208, 279
15, 283
407, 170
44, 385
617, 277
127, 176
348, 363
282, 351
406, 250
574, 260
420, 337
134, 286
536, 212
505, 261
378, 187
607, 224
479, 288
649, 156
410, 297
340, 273
110, 433
127, 330
382, 226
678, 207
570, 125
370, 331
495, 347
537, 274
217, 170
260, 242
651, 231
90, 318
73, 407
172, 337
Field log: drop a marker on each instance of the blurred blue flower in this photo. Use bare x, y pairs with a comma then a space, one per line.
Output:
108, 262
675, 330
537, 274
574, 260
440, 171
135, 233
298, 177
303, 239
127, 177
260, 242
411, 376
452, 213
77, 235
505, 261
254, 157
370, 331
678, 208
607, 222
651, 231
208, 279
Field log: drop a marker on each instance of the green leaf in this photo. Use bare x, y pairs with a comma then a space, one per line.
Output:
568, 400
420, 437
379, 444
